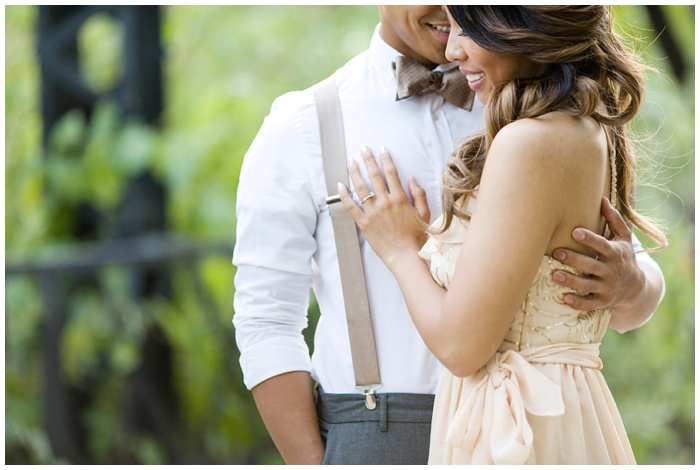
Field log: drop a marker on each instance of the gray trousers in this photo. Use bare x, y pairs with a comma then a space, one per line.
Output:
396, 432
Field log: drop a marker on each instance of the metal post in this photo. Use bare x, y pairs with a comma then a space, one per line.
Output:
140, 93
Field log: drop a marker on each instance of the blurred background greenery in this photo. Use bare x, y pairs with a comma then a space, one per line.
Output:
223, 66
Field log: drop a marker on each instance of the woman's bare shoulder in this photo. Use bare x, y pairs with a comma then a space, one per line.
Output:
556, 126
553, 134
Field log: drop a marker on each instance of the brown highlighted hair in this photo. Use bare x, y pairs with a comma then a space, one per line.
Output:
588, 72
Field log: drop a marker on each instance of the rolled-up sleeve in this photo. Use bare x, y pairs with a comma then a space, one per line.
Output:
276, 221
644, 258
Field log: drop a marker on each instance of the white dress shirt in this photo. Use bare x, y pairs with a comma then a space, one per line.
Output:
285, 243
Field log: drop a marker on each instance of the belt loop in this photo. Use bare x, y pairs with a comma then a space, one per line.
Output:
383, 413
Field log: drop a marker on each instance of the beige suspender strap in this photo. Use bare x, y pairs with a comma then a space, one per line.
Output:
352, 275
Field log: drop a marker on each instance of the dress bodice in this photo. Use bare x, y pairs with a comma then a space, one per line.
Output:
543, 318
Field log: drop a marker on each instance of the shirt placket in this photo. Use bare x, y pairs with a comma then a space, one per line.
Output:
440, 146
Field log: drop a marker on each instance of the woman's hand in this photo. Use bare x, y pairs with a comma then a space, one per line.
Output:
386, 217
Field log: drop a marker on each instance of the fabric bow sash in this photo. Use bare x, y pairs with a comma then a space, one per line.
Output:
492, 424
413, 78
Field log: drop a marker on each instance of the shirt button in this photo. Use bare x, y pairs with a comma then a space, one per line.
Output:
434, 116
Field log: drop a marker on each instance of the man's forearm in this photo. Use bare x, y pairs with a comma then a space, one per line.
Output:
626, 317
286, 404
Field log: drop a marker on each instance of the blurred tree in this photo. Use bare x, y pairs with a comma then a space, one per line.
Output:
668, 40
151, 407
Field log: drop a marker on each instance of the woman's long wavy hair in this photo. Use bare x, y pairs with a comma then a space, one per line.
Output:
588, 73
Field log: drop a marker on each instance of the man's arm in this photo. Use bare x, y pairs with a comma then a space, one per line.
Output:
276, 221
270, 316
632, 285
287, 407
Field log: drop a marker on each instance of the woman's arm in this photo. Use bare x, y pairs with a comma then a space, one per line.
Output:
509, 232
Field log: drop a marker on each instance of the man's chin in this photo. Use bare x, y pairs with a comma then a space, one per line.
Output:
439, 59
437, 53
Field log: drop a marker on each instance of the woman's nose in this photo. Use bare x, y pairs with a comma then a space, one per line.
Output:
454, 51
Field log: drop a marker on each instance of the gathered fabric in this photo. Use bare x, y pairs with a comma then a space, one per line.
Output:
492, 423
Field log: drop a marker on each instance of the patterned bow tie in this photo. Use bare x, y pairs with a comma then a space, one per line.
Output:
413, 78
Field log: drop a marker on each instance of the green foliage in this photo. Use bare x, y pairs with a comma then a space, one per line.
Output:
223, 67
651, 370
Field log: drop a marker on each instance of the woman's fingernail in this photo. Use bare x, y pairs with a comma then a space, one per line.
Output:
568, 300
579, 234
559, 277
559, 254
383, 149
341, 188
351, 164
364, 149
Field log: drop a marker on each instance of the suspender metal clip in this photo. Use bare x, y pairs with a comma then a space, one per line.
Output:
370, 397
333, 199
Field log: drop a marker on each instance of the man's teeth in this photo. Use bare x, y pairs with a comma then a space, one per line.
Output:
474, 77
444, 29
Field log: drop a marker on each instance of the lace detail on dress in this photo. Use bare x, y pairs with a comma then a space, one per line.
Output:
543, 318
